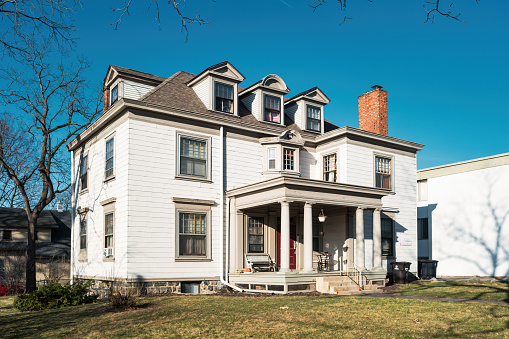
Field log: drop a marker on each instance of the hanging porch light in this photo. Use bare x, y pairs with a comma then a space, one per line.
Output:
321, 216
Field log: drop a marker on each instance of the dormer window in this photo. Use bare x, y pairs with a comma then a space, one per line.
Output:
313, 118
114, 95
272, 109
224, 97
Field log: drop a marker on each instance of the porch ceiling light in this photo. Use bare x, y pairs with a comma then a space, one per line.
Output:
321, 216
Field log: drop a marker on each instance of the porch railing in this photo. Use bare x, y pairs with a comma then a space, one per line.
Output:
354, 272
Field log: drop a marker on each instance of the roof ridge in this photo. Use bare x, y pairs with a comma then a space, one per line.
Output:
135, 70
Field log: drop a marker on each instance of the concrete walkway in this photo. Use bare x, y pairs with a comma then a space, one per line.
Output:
387, 295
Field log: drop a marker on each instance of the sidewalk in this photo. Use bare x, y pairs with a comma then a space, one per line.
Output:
387, 295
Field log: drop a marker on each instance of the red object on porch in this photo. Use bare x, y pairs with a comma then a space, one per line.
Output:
293, 239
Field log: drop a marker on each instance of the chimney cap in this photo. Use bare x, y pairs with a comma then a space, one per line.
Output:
376, 87
60, 207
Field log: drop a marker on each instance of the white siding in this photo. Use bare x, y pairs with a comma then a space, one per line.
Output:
249, 102
290, 111
308, 164
134, 90
203, 91
245, 161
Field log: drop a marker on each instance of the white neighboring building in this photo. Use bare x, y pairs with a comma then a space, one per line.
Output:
463, 216
182, 176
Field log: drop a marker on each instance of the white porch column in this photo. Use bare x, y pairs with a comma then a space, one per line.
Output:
359, 237
377, 239
308, 238
285, 237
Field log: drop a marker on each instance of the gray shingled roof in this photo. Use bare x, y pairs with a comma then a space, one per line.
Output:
133, 72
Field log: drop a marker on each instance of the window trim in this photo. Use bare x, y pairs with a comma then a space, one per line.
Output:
296, 164
191, 208
208, 140
108, 208
393, 254
264, 235
83, 217
111, 94
83, 156
214, 96
386, 156
318, 120
107, 139
281, 109
269, 158
336, 177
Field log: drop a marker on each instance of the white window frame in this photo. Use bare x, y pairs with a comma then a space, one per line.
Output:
112, 175
214, 96
296, 164
83, 218
281, 109
335, 154
208, 141
82, 189
117, 87
264, 234
194, 209
319, 120
269, 158
392, 163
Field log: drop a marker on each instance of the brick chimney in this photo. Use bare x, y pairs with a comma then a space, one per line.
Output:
373, 111
106, 98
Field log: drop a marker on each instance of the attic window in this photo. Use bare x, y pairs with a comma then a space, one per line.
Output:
272, 109
224, 97
314, 121
114, 94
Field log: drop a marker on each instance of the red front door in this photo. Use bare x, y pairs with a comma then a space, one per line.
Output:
293, 239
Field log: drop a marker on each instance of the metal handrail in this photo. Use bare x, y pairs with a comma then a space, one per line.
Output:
354, 272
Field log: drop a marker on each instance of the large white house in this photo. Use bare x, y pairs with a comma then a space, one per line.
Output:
463, 216
181, 177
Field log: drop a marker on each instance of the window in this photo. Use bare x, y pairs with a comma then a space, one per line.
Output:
422, 229
272, 109
84, 173
330, 168
114, 95
192, 234
387, 237
272, 158
255, 234
288, 159
108, 229
83, 232
382, 172
110, 144
7, 235
314, 122
193, 157
224, 97
316, 237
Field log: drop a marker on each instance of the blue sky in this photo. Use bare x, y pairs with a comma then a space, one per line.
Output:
447, 82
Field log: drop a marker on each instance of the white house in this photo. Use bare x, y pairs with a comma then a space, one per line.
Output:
463, 212
182, 176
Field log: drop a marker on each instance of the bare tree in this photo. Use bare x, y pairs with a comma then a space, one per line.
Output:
21, 18
54, 104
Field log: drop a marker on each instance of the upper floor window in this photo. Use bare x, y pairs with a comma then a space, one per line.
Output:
224, 97
108, 171
272, 158
84, 173
6, 235
382, 172
255, 234
108, 230
114, 95
272, 109
193, 157
330, 168
288, 159
192, 234
314, 120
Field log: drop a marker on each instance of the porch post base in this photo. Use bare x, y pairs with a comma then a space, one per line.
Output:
308, 271
284, 270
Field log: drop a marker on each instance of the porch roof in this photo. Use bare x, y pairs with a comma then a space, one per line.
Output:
295, 189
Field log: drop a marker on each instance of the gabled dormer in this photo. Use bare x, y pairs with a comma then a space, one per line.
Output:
265, 99
127, 83
306, 109
217, 87
282, 154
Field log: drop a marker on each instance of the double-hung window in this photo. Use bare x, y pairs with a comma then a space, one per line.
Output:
383, 172
110, 153
272, 109
387, 237
422, 229
288, 159
330, 168
313, 122
83, 232
255, 232
114, 95
193, 157
192, 234
271, 155
84, 173
109, 219
224, 97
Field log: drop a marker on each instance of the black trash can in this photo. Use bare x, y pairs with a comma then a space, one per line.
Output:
428, 269
400, 271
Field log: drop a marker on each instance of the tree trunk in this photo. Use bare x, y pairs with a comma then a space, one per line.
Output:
31, 271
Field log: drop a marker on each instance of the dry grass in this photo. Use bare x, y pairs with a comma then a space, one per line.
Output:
492, 291
262, 317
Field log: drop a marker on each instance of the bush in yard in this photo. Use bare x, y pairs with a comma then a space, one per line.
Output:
55, 295
122, 296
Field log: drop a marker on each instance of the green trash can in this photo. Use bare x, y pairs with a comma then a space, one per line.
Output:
400, 271
428, 269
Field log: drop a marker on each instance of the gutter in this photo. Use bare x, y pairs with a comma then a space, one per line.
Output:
224, 255
72, 218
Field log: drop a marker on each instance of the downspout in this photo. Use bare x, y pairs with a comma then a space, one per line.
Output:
72, 218
221, 182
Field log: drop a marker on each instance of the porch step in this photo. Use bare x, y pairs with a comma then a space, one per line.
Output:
343, 285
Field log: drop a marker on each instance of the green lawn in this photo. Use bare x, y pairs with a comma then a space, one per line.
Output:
496, 291
262, 317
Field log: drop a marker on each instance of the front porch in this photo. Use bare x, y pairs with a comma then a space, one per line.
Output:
279, 217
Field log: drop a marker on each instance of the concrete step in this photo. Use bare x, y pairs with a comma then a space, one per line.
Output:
334, 278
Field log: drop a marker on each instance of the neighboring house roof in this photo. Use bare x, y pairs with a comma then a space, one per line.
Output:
464, 166
59, 222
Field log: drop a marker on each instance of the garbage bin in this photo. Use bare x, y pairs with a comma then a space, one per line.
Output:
400, 271
428, 269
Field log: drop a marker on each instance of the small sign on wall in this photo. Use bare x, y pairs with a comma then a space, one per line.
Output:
406, 242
